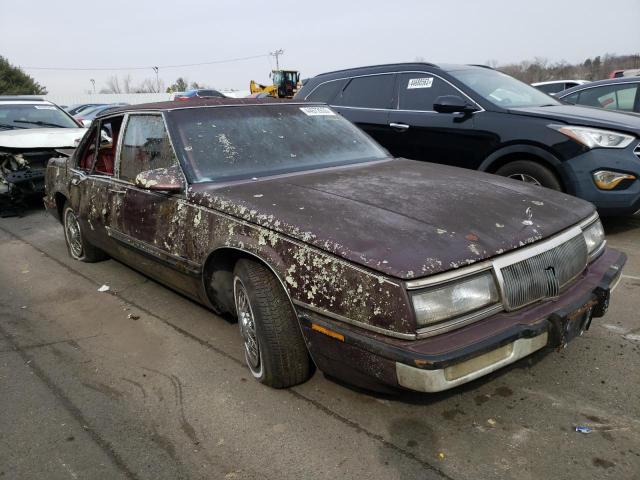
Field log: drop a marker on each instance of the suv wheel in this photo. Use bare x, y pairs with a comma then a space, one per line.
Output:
530, 172
274, 349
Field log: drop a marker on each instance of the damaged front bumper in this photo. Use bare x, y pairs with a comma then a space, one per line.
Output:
445, 361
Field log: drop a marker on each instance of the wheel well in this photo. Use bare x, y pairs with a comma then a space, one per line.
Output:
60, 201
218, 276
511, 157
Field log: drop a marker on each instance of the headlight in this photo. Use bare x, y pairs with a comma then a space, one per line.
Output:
595, 137
594, 236
455, 299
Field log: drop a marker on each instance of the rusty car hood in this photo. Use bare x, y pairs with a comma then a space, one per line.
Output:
403, 218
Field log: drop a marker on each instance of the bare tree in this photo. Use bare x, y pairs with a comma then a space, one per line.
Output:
126, 85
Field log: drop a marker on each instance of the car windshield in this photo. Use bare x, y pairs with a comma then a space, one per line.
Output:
241, 142
501, 89
33, 116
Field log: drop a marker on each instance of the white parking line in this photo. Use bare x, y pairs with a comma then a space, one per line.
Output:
632, 277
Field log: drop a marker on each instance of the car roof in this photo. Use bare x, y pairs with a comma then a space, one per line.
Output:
196, 102
392, 67
553, 82
23, 99
607, 81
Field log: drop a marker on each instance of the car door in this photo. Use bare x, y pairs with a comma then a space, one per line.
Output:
421, 133
143, 217
90, 188
366, 101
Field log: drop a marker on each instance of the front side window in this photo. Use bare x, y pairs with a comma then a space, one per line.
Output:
109, 134
610, 97
87, 150
418, 91
501, 89
374, 91
145, 146
236, 143
550, 88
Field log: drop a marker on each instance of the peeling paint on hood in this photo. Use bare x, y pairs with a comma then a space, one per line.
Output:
403, 218
41, 137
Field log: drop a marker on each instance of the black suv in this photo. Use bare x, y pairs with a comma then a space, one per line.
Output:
476, 117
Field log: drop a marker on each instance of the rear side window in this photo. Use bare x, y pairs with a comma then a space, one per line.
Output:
145, 146
552, 87
374, 91
610, 97
326, 91
418, 91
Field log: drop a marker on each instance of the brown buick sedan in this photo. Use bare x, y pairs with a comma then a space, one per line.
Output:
382, 272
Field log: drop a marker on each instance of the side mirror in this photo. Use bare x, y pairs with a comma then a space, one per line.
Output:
453, 104
161, 179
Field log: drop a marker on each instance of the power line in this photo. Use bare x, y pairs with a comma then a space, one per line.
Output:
213, 62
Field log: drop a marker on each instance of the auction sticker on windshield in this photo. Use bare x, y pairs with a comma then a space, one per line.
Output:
425, 82
315, 111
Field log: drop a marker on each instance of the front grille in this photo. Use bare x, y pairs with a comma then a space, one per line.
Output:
542, 275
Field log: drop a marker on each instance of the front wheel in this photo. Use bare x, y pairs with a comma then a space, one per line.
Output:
78, 247
274, 349
530, 172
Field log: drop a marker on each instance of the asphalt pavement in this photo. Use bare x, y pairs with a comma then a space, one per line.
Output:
141, 383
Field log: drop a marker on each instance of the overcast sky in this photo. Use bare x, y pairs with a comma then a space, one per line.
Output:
316, 36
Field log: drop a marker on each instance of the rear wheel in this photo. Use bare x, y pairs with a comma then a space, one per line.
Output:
78, 247
273, 345
531, 172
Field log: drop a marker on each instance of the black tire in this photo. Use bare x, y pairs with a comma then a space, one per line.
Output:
77, 246
531, 172
282, 359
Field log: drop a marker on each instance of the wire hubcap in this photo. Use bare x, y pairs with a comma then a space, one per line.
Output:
74, 237
247, 324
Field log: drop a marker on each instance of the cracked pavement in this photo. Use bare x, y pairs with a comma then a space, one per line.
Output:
87, 392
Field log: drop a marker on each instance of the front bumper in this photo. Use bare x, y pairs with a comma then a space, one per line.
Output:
445, 361
578, 174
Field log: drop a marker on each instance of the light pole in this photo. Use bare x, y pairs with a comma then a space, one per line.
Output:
277, 54
155, 69
93, 83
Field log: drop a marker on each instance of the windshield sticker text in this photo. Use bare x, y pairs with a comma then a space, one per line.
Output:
315, 111
425, 82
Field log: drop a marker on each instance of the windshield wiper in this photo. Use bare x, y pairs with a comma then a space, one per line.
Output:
40, 122
6, 125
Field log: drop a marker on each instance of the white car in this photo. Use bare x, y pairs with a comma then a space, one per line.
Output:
554, 86
31, 130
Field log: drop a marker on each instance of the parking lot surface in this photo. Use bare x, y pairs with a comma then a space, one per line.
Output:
140, 383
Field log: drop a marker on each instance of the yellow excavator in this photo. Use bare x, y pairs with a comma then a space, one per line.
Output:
285, 84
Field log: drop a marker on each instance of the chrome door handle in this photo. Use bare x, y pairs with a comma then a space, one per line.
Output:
399, 126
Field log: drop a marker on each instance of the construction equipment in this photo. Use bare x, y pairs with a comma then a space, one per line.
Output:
285, 84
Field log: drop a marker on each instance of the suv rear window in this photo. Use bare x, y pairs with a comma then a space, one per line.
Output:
374, 91
326, 91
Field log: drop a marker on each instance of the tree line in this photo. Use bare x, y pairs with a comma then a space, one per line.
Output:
541, 69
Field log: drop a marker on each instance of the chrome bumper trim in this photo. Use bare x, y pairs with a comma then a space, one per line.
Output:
422, 380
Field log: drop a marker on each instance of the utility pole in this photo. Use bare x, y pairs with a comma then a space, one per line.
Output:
155, 69
277, 54
93, 82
